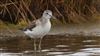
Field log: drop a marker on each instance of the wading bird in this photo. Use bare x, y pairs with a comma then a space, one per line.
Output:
39, 28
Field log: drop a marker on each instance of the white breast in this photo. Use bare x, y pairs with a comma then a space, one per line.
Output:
39, 31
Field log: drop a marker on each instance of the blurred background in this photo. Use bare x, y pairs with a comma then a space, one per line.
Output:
66, 11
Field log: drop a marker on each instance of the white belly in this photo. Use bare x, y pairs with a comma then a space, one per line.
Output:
39, 31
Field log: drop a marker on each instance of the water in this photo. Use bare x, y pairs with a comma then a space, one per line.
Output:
52, 46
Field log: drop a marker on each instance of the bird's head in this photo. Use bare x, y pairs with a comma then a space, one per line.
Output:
48, 14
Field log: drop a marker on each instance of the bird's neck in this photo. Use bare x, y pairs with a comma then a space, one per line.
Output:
44, 20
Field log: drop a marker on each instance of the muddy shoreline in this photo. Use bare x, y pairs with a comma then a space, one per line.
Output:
6, 34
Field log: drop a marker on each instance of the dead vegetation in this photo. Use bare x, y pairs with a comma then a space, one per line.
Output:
67, 11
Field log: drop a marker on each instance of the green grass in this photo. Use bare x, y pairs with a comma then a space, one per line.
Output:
12, 26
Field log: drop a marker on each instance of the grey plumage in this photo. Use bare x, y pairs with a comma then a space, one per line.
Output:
30, 26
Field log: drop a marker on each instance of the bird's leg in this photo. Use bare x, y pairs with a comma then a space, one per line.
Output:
40, 41
35, 46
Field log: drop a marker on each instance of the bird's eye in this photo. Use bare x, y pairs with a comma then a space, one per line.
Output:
46, 13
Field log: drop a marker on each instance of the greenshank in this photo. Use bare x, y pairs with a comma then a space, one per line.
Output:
39, 28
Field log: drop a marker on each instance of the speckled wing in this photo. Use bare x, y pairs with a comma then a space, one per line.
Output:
30, 26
